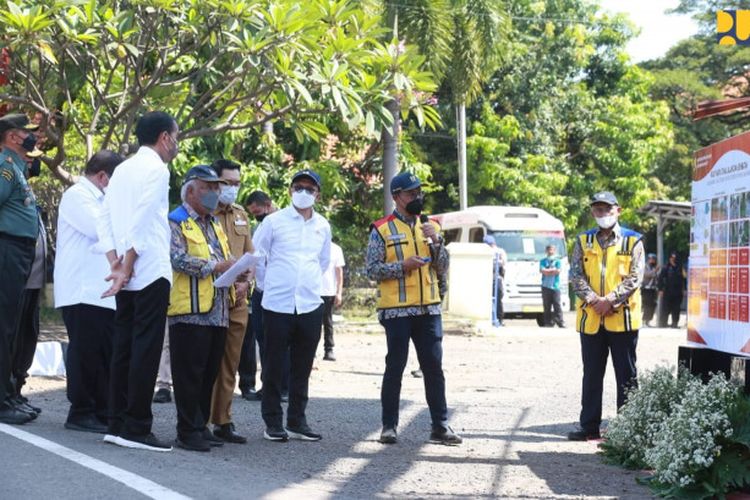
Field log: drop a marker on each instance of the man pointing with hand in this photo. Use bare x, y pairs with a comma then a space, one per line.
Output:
406, 256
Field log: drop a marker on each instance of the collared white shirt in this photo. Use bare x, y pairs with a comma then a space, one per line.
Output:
297, 252
328, 289
134, 215
79, 271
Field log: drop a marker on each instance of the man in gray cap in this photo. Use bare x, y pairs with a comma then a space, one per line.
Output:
606, 273
406, 256
198, 311
19, 229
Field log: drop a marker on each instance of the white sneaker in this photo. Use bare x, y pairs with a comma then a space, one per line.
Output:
148, 442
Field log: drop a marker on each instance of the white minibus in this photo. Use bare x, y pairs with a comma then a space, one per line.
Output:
524, 234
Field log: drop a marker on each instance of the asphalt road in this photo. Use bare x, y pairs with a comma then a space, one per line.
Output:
513, 397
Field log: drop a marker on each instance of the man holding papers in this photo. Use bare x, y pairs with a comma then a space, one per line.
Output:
198, 311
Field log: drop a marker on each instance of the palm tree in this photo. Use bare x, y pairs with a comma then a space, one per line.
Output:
461, 40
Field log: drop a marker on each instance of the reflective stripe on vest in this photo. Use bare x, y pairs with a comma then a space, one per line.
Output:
417, 287
189, 294
605, 270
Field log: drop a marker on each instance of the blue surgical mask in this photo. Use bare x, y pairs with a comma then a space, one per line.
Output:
210, 200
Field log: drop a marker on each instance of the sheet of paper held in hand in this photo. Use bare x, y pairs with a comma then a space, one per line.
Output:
230, 275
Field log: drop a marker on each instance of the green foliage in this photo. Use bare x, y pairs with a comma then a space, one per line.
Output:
565, 114
91, 68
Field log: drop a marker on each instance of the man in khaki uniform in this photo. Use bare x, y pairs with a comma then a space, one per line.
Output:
234, 221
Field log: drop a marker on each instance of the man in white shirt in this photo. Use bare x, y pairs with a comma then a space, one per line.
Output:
297, 244
258, 204
89, 318
134, 233
333, 285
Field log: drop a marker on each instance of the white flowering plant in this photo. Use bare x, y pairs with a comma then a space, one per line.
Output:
693, 436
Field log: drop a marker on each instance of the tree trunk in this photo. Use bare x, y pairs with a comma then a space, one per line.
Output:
462, 183
390, 139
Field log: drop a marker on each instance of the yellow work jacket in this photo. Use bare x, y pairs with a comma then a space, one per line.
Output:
418, 287
605, 269
189, 294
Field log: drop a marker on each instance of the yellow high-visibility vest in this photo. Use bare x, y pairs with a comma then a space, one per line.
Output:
418, 287
191, 295
605, 270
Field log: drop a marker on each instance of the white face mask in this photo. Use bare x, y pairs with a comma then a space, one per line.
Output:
606, 222
228, 194
303, 199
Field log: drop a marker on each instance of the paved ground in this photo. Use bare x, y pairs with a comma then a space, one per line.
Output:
513, 397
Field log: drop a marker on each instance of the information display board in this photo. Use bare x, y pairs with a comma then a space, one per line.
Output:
719, 266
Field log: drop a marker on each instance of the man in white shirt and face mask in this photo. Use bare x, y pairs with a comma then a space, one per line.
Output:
134, 234
297, 244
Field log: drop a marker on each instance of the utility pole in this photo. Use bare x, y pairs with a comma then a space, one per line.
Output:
390, 139
462, 182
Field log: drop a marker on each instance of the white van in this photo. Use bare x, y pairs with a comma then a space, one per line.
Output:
524, 234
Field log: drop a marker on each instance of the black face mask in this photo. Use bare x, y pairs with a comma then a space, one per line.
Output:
260, 217
35, 168
415, 206
29, 143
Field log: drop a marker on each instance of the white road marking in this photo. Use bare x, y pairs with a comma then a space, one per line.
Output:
133, 481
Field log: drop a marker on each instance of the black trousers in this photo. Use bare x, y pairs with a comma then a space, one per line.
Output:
649, 303
195, 352
27, 335
139, 334
594, 350
248, 367
328, 323
16, 256
500, 295
670, 306
551, 301
298, 335
87, 364
426, 332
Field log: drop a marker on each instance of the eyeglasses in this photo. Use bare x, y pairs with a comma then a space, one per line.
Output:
412, 194
308, 190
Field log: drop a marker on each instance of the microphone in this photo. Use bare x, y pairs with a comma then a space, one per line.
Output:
424, 220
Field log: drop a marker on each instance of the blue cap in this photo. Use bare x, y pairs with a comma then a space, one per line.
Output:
404, 182
310, 174
604, 197
489, 239
202, 173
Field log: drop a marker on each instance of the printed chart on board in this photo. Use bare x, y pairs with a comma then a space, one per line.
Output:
719, 265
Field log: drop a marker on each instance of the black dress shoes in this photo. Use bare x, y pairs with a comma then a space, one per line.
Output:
212, 440
226, 433
163, 396
88, 423
23, 407
252, 395
25, 400
193, 443
9, 414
